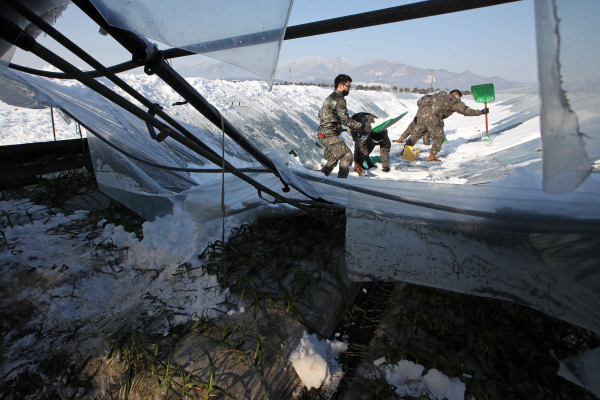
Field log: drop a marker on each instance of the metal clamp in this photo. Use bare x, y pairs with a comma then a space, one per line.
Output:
152, 63
163, 134
270, 202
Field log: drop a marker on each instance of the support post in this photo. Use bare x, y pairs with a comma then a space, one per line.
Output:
486, 122
53, 128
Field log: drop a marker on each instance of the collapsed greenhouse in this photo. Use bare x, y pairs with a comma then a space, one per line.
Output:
536, 247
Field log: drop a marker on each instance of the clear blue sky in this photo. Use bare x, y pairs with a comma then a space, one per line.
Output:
491, 41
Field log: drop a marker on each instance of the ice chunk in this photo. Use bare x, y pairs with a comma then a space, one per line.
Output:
441, 386
327, 350
379, 361
312, 370
406, 376
408, 379
410, 369
337, 348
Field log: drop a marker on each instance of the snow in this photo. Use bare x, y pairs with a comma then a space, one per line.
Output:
409, 380
286, 118
315, 361
312, 370
75, 285
23, 125
80, 287
521, 178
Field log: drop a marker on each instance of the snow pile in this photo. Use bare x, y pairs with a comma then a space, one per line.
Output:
315, 361
24, 125
312, 370
408, 379
286, 118
83, 286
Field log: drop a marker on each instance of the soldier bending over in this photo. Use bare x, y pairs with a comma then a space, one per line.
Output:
430, 119
365, 141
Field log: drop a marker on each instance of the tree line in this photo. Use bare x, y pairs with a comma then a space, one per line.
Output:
378, 88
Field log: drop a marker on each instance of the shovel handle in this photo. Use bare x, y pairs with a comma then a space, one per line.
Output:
486, 120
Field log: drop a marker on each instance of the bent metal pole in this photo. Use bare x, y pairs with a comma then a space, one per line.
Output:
18, 37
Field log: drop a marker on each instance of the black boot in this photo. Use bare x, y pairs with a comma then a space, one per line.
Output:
343, 172
385, 169
327, 170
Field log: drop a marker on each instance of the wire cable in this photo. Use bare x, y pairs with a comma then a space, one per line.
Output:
165, 167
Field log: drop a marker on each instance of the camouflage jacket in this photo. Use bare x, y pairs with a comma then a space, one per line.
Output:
366, 120
440, 106
333, 114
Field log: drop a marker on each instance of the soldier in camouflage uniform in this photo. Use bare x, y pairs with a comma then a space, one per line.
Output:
365, 141
423, 103
408, 132
430, 119
332, 115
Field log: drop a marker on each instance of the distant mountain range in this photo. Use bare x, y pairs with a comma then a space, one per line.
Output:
375, 72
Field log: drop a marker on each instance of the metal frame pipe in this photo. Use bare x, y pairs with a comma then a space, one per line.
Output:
406, 12
53, 128
137, 47
260, 187
72, 47
363, 20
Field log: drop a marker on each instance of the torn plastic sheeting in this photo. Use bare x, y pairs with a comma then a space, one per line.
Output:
150, 191
246, 33
556, 273
506, 208
17, 94
109, 120
568, 59
154, 193
123, 180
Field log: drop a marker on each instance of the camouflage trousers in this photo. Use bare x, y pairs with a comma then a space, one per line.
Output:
336, 151
409, 131
362, 149
436, 132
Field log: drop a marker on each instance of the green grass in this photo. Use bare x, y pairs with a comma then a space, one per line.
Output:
510, 351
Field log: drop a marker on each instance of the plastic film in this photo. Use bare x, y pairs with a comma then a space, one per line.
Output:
568, 59
246, 33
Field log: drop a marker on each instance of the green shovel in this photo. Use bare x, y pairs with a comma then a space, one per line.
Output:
484, 94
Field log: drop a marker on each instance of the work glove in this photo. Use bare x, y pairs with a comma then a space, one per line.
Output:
485, 111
